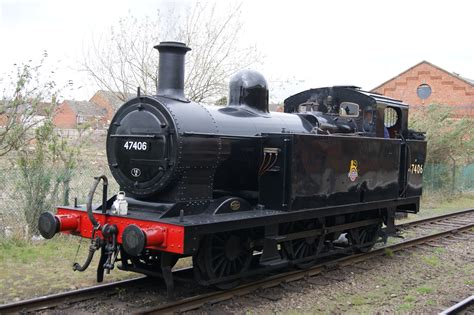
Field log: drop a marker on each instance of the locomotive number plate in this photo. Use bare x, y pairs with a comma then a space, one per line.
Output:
415, 168
136, 145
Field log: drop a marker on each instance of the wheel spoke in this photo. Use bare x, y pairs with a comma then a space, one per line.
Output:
218, 256
235, 267
224, 255
364, 238
300, 250
219, 264
241, 260
223, 268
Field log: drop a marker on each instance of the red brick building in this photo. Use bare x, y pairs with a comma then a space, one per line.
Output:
109, 101
425, 84
71, 114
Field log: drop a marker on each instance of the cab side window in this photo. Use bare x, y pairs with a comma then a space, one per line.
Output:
391, 122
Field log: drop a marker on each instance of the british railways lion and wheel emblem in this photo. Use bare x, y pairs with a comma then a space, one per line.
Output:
353, 172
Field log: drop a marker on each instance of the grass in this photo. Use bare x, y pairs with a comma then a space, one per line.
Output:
439, 250
24, 252
409, 298
431, 260
359, 300
29, 269
388, 252
436, 204
405, 307
424, 290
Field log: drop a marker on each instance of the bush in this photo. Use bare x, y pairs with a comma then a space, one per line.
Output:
45, 162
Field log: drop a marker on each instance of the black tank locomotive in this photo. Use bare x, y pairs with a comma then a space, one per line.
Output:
242, 189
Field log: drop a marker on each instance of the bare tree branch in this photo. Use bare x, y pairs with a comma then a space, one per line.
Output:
125, 58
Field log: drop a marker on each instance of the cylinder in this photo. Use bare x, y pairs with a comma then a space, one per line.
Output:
171, 69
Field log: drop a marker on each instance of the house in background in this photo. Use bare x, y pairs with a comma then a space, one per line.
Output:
71, 114
97, 112
35, 117
425, 84
110, 101
28, 114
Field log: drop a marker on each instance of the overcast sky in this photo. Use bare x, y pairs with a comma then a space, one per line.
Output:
316, 43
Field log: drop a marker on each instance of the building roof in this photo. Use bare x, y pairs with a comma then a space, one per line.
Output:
468, 81
85, 108
41, 109
114, 99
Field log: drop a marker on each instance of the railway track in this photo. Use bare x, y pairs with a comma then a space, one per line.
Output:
214, 297
53, 300
460, 307
450, 224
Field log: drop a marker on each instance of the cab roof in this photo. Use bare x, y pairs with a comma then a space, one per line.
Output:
340, 94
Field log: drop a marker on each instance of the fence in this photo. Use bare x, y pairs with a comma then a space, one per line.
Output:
19, 195
445, 177
15, 198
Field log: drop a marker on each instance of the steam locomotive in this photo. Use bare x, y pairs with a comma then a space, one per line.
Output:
243, 190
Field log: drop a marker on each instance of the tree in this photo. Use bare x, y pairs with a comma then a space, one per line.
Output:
221, 101
450, 141
448, 138
125, 58
23, 106
46, 167
44, 161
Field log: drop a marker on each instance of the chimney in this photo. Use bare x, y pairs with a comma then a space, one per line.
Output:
171, 69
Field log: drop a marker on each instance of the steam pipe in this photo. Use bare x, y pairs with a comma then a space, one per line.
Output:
91, 196
104, 193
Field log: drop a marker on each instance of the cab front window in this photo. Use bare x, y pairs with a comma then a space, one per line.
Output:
349, 109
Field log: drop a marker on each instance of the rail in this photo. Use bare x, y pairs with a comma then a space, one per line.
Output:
458, 307
49, 301
193, 302
213, 297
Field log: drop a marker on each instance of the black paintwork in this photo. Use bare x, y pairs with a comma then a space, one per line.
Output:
48, 225
279, 167
317, 171
241, 180
249, 88
171, 70
187, 142
416, 155
133, 240
325, 103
